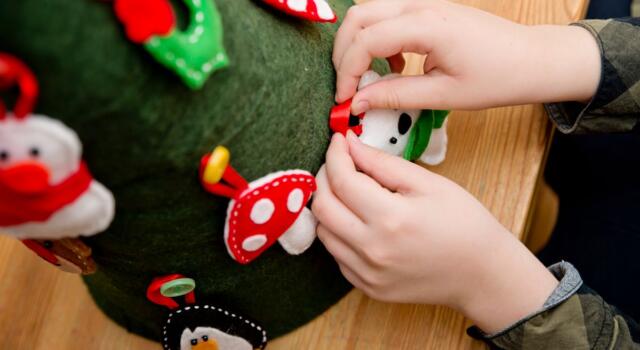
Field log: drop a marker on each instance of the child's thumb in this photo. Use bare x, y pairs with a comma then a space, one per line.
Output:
406, 92
391, 172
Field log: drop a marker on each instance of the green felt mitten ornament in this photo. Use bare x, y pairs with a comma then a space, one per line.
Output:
145, 124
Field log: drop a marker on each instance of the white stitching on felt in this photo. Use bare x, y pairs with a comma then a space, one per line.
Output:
187, 308
233, 231
198, 31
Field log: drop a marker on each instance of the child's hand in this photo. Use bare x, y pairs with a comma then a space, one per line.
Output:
403, 234
475, 59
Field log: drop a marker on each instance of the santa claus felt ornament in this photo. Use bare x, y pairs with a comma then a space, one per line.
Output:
47, 194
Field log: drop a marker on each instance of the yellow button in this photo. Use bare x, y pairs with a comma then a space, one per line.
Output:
216, 165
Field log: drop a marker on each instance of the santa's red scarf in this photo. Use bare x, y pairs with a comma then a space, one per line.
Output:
19, 208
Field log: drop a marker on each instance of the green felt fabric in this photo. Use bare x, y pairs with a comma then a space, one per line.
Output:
144, 132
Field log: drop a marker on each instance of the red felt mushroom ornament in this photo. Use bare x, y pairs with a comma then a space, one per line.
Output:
312, 10
269, 209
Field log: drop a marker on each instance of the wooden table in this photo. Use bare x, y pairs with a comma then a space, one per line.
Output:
496, 154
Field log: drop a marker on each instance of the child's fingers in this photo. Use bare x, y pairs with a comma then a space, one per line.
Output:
334, 215
352, 277
361, 16
360, 193
341, 251
433, 91
393, 173
384, 39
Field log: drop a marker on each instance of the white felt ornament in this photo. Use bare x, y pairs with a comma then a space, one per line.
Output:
42, 173
390, 129
208, 338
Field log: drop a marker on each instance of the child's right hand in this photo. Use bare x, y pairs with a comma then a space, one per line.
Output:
475, 59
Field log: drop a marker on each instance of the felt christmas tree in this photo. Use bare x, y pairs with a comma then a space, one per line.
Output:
147, 104
155, 96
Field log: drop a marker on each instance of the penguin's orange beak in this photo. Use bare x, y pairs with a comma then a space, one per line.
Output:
25, 178
207, 345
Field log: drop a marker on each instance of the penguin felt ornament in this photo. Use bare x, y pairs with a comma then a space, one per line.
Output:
46, 191
412, 134
201, 326
269, 209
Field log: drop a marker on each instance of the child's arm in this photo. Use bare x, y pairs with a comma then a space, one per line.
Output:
478, 60
475, 59
403, 234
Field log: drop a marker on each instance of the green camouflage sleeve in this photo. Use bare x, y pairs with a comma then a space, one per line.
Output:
616, 104
574, 317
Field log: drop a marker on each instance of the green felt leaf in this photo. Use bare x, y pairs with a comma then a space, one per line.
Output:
439, 117
419, 136
144, 132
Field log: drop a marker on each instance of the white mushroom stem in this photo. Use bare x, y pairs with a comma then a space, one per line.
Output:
301, 234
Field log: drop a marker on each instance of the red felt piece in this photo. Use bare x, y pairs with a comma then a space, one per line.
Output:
240, 225
310, 13
19, 207
15, 72
235, 182
143, 19
154, 295
234, 178
7, 76
41, 251
29, 178
339, 119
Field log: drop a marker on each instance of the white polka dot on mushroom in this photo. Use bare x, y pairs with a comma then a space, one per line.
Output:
294, 201
262, 211
324, 10
253, 243
297, 5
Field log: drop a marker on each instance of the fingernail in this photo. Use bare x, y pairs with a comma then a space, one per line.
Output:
360, 107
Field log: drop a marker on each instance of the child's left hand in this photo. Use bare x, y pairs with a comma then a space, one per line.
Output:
403, 234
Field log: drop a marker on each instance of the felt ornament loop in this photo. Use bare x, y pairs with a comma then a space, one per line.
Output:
14, 72
341, 119
270, 209
163, 288
311, 10
193, 54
